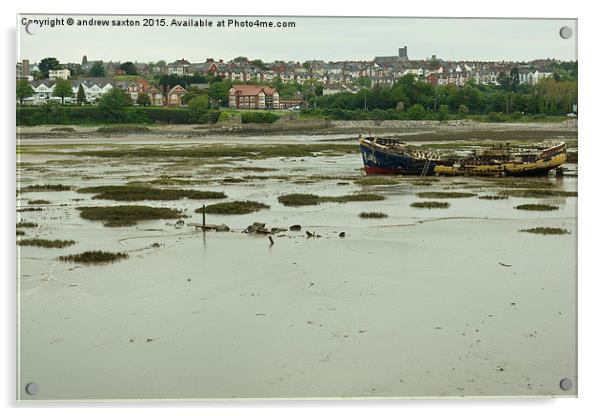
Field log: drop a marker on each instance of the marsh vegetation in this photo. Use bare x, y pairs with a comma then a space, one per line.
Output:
145, 193
234, 208
430, 204
40, 242
95, 257
126, 215
299, 199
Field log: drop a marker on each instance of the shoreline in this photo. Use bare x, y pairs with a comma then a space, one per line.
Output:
410, 130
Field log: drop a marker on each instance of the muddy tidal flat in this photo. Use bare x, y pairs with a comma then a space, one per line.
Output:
390, 287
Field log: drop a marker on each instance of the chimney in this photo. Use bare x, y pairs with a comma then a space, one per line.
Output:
25, 67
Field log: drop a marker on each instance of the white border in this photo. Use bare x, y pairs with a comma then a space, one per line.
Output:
589, 187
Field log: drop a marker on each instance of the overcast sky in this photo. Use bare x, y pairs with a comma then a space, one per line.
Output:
330, 39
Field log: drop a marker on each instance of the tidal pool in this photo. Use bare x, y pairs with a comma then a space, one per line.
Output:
423, 303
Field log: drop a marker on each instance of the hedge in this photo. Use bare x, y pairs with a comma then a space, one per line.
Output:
56, 114
258, 117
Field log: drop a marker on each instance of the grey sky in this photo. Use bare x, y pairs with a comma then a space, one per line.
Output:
312, 38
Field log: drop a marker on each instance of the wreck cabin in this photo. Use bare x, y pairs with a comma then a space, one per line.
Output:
253, 97
174, 96
156, 96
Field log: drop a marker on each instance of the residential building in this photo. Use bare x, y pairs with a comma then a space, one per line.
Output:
253, 97
156, 96
59, 74
174, 96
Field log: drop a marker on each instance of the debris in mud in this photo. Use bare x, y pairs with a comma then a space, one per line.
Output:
505, 265
95, 257
312, 235
257, 228
342, 234
233, 208
63, 129
210, 227
295, 227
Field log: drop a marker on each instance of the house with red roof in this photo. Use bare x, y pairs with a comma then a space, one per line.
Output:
253, 97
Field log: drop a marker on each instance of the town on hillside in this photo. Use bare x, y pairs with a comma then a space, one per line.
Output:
248, 84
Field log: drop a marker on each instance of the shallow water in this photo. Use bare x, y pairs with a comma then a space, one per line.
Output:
441, 302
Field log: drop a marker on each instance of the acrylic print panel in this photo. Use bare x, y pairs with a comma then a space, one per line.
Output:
282, 207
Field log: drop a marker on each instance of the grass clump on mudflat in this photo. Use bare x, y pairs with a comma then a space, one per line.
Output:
126, 215
445, 194
38, 202
20, 232
95, 257
234, 208
536, 193
40, 242
293, 200
26, 224
45, 188
493, 197
376, 180
537, 207
430, 204
373, 215
142, 193
546, 231
352, 198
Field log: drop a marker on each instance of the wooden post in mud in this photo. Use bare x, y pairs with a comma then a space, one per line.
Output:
203, 217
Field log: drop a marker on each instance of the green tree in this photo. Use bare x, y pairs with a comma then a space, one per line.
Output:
218, 91
143, 99
443, 112
81, 95
199, 105
112, 105
417, 112
47, 64
98, 70
363, 82
24, 90
129, 68
62, 89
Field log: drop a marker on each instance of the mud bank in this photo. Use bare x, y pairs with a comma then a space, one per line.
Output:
409, 129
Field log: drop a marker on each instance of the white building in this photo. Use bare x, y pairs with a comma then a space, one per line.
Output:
59, 74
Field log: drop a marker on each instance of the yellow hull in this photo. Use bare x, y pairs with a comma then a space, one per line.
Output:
510, 169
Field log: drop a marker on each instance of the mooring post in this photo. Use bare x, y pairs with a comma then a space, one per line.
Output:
203, 217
